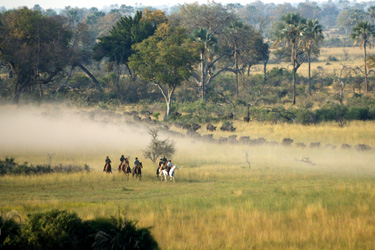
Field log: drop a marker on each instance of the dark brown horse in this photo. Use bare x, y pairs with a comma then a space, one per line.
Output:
137, 171
107, 167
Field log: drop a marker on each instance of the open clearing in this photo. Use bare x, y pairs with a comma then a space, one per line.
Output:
348, 56
288, 198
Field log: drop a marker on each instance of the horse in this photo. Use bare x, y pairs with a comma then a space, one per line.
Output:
160, 167
124, 167
137, 171
107, 167
164, 173
158, 172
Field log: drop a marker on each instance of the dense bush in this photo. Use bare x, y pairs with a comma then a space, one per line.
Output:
121, 234
64, 230
305, 116
9, 229
52, 230
9, 166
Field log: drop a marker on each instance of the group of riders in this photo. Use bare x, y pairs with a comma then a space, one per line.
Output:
164, 164
124, 166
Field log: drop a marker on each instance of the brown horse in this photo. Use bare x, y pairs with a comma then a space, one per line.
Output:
107, 167
124, 167
137, 171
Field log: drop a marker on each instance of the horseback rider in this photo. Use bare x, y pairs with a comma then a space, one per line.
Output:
121, 160
127, 166
107, 166
169, 165
164, 160
136, 162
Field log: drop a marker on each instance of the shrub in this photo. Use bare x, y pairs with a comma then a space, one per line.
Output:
122, 234
331, 112
9, 229
305, 116
332, 59
9, 166
6, 165
64, 230
53, 230
355, 113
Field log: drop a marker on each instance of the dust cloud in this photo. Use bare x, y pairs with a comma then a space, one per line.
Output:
96, 132
53, 128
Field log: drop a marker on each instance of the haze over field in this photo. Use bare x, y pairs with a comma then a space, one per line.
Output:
91, 135
28, 128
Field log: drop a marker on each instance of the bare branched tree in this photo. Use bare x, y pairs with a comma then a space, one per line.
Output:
158, 147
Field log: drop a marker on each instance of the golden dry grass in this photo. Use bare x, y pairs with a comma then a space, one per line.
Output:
353, 59
217, 201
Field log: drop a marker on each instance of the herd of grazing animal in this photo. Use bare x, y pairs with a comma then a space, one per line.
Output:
163, 171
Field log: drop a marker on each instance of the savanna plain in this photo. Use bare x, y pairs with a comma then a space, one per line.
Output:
225, 196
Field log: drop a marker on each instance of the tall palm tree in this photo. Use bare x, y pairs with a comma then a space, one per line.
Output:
311, 37
291, 35
363, 31
206, 41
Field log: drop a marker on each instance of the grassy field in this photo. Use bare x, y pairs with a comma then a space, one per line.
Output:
280, 201
352, 57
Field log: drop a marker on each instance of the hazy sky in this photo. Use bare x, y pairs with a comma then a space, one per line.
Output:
46, 4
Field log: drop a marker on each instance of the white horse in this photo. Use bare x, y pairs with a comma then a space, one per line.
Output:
164, 173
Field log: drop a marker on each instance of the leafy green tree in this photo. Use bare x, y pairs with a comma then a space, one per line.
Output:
236, 35
257, 15
211, 16
329, 14
311, 37
117, 46
370, 12
94, 15
289, 34
247, 46
80, 52
165, 59
207, 22
309, 10
33, 47
348, 18
207, 45
363, 33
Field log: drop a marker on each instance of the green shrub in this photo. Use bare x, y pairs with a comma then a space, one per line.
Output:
356, 113
331, 112
305, 117
64, 230
121, 234
6, 165
9, 229
53, 230
156, 115
9, 166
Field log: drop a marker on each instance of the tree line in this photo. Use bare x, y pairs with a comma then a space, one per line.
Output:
196, 43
